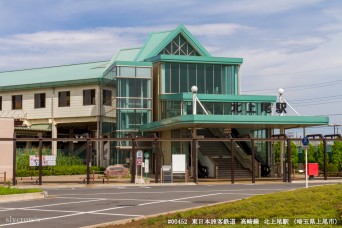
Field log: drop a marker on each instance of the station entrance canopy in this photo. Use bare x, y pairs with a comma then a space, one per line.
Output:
235, 121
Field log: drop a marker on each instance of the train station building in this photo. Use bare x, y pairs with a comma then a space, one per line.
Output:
148, 90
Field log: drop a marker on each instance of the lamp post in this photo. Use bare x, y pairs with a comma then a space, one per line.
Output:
194, 90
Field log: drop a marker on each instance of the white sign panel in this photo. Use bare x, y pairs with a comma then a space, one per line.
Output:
47, 160
147, 166
178, 163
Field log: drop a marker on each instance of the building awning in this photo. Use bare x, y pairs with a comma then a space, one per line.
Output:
35, 128
235, 121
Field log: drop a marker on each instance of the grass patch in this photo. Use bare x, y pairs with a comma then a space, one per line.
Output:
318, 203
9, 191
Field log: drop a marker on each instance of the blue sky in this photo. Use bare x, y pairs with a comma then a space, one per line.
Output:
291, 44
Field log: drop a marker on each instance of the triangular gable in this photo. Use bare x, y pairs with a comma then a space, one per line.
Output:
187, 43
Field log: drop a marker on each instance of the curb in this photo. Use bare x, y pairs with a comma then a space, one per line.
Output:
56, 186
23, 196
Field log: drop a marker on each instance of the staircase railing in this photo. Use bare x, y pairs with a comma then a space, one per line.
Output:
247, 148
242, 157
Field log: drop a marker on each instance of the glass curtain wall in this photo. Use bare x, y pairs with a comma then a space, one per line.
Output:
209, 78
133, 104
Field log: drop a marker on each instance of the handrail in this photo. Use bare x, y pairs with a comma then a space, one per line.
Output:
244, 159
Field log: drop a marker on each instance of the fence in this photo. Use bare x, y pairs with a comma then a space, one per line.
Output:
287, 166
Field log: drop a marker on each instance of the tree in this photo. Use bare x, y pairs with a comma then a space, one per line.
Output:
336, 154
294, 153
311, 154
320, 155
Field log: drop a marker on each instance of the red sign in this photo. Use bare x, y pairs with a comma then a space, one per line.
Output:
139, 160
313, 169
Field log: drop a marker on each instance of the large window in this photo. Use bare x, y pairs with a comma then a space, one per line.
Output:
209, 78
17, 102
107, 97
64, 99
39, 100
89, 97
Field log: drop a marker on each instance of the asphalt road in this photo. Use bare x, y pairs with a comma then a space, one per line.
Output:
79, 207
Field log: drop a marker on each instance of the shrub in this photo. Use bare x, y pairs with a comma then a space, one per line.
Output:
332, 168
58, 170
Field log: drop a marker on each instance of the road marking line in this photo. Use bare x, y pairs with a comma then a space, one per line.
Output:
190, 197
115, 199
74, 214
62, 211
49, 205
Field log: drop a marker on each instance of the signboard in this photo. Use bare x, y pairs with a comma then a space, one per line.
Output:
47, 160
227, 131
305, 141
147, 166
139, 157
178, 163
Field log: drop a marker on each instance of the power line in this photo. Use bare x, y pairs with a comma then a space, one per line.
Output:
295, 72
294, 88
318, 98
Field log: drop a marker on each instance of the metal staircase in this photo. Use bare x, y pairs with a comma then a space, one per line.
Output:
220, 154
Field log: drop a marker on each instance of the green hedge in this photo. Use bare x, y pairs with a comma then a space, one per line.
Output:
58, 170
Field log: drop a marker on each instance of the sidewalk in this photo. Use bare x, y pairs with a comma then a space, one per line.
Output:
79, 181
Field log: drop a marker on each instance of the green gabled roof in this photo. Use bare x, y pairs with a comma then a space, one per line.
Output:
52, 76
152, 42
123, 55
158, 41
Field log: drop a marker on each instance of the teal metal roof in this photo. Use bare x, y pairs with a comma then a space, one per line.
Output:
235, 121
158, 41
152, 42
52, 76
218, 97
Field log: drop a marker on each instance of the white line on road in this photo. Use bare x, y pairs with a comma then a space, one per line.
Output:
74, 214
190, 197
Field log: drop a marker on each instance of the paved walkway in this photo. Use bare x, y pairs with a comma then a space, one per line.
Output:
77, 181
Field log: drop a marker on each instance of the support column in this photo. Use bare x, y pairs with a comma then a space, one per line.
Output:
133, 163
155, 150
71, 143
195, 155
282, 157
253, 161
232, 168
325, 159
54, 134
40, 154
289, 161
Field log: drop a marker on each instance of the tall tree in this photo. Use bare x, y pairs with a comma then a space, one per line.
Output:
294, 153
320, 155
336, 154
